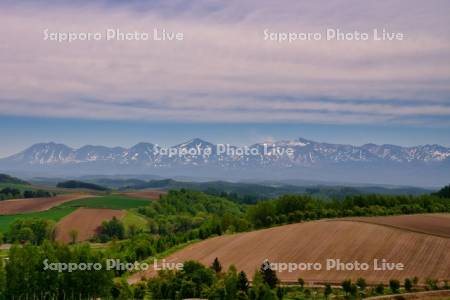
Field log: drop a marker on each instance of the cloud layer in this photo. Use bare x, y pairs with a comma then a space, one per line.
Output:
224, 70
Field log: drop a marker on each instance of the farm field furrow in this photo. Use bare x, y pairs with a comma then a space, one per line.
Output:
314, 242
18, 206
436, 224
85, 221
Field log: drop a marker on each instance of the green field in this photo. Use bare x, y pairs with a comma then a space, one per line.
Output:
57, 213
54, 214
133, 218
109, 201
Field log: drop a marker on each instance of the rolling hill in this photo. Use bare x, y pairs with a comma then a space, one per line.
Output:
423, 255
75, 184
7, 179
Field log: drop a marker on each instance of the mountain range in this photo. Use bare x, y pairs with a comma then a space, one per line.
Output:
426, 165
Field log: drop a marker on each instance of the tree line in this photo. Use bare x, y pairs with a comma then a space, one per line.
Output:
299, 208
23, 275
14, 193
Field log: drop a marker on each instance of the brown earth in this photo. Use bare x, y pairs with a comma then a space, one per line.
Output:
314, 242
436, 224
17, 206
146, 194
85, 221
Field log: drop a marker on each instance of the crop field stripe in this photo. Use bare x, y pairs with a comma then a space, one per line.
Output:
110, 201
54, 214
30, 205
439, 219
58, 212
399, 228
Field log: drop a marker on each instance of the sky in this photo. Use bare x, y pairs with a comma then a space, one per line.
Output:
224, 82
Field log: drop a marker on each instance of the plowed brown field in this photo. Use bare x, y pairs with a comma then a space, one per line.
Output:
436, 224
314, 242
85, 221
146, 194
17, 206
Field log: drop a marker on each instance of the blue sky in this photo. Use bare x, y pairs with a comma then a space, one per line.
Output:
224, 82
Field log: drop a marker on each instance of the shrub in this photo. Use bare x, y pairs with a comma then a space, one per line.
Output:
361, 283
394, 285
327, 291
301, 282
111, 229
408, 285
379, 289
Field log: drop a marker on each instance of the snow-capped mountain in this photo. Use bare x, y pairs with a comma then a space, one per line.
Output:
42, 153
288, 159
140, 153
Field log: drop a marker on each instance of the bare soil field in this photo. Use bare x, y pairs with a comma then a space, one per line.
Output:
315, 242
436, 224
17, 206
145, 194
85, 221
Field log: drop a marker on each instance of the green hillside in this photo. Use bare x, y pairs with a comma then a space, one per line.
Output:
75, 184
7, 179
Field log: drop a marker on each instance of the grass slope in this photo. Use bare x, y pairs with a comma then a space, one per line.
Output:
133, 218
